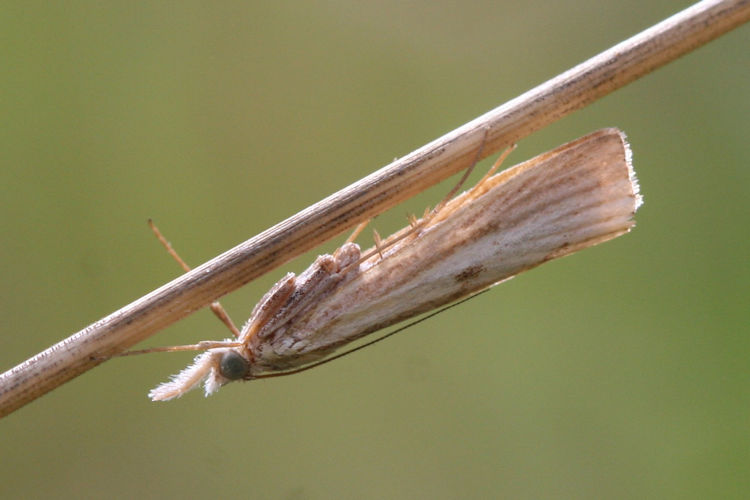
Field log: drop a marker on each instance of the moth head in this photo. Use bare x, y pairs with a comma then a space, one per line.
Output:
214, 368
233, 365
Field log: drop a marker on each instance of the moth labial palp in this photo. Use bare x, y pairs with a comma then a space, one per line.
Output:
573, 197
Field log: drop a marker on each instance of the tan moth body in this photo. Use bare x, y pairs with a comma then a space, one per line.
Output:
578, 195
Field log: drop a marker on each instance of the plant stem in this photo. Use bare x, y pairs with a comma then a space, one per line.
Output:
383, 189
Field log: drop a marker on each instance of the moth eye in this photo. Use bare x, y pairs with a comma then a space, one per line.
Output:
233, 366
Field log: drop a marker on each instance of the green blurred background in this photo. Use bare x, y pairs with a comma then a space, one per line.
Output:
620, 372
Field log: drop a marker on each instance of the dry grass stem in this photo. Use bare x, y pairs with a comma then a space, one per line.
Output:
374, 194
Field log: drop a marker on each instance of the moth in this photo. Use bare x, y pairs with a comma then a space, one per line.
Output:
578, 195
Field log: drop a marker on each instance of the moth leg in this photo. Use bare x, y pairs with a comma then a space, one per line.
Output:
448, 197
378, 242
493, 169
416, 225
200, 346
216, 307
357, 230
338, 254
